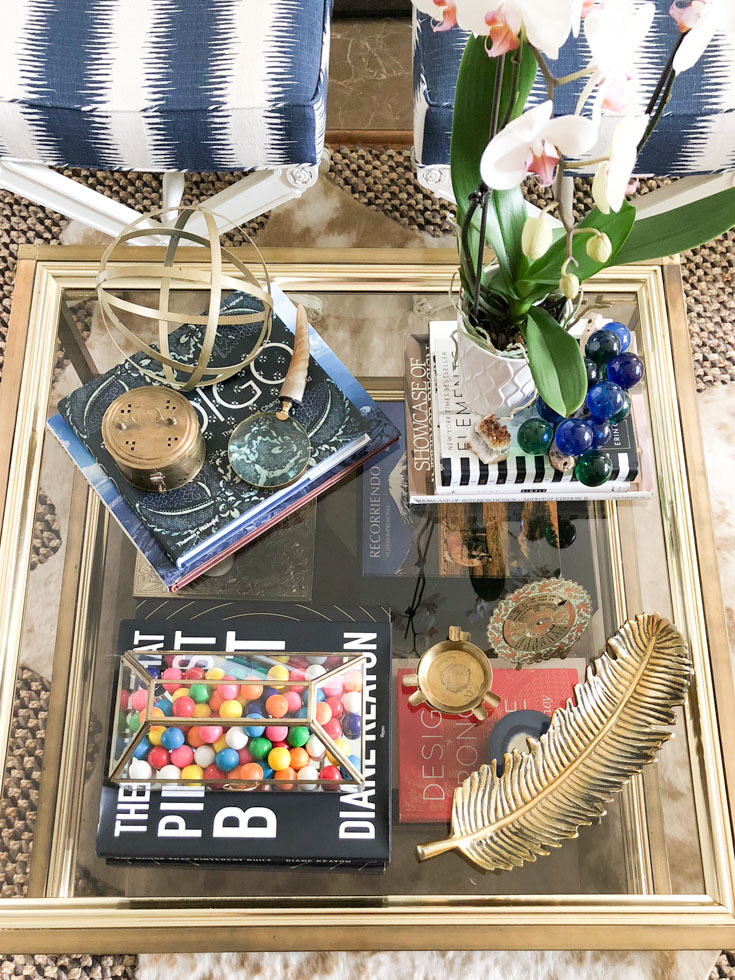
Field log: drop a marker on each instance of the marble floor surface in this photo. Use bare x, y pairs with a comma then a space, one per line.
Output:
329, 216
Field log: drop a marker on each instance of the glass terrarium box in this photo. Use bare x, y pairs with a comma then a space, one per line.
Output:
256, 721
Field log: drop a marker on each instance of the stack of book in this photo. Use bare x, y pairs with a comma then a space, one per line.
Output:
184, 532
196, 825
442, 467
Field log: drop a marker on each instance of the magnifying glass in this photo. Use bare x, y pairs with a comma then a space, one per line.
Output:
269, 450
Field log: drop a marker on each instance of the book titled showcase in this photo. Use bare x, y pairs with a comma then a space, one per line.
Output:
184, 532
437, 413
198, 825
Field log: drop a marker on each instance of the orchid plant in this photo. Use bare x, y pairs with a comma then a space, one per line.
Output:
531, 293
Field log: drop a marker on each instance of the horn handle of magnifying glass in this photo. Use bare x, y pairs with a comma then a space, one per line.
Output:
294, 383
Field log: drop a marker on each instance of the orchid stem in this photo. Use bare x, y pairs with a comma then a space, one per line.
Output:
548, 77
574, 76
577, 164
484, 193
497, 91
513, 95
664, 79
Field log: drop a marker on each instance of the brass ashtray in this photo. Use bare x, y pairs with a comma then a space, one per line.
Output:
454, 676
153, 435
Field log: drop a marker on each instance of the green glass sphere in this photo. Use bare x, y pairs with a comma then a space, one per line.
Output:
566, 537
535, 436
594, 468
624, 411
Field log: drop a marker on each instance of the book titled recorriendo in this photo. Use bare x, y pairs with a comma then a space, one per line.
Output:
199, 825
184, 532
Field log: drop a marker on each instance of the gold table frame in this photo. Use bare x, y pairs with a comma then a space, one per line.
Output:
55, 920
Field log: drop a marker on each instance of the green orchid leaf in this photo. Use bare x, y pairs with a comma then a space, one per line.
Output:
547, 270
679, 230
556, 362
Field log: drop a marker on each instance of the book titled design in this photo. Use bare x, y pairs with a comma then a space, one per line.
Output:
198, 825
185, 531
438, 752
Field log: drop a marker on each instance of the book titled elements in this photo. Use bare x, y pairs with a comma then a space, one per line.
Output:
185, 532
442, 466
349, 829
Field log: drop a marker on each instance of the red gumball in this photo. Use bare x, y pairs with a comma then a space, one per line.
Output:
245, 756
210, 733
124, 700
280, 745
183, 756
194, 674
333, 728
214, 772
297, 674
183, 707
337, 707
330, 776
174, 674
157, 757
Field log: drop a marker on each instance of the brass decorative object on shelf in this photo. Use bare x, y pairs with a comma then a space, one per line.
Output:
539, 621
118, 275
454, 676
271, 449
153, 435
590, 751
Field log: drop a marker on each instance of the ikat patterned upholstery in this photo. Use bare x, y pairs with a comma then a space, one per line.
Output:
164, 84
695, 136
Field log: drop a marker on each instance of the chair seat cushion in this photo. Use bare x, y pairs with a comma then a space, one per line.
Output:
164, 84
696, 134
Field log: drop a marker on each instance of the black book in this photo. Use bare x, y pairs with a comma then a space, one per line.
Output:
197, 825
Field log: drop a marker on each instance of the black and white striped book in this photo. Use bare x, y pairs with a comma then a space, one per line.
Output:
458, 471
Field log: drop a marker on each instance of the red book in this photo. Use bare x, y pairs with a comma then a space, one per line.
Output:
438, 752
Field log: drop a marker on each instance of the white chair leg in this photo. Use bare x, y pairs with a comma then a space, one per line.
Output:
44, 186
688, 190
437, 181
260, 191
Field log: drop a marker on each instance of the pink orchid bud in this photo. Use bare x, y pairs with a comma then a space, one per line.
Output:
687, 16
448, 15
503, 38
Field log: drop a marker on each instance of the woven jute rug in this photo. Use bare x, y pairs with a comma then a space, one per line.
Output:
381, 179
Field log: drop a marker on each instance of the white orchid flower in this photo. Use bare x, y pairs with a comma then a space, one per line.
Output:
533, 144
580, 9
442, 10
699, 21
613, 175
614, 33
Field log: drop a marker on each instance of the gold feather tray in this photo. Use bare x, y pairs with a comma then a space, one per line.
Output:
621, 717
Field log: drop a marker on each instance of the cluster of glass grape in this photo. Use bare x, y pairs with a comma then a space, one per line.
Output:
580, 441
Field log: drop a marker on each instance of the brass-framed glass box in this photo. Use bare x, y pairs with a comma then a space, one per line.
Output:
658, 870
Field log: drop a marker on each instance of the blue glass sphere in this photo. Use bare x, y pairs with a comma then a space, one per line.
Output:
574, 437
602, 346
605, 399
601, 432
621, 332
172, 738
593, 372
535, 436
625, 370
548, 414
624, 411
227, 759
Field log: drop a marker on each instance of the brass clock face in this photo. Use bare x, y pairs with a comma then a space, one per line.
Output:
539, 621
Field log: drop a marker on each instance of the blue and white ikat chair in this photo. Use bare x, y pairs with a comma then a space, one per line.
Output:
162, 85
695, 139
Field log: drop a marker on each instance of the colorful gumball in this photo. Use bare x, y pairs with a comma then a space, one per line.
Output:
244, 756
200, 693
194, 736
250, 771
214, 772
333, 728
329, 776
184, 707
215, 700
183, 756
172, 738
194, 674
323, 712
142, 748
171, 673
353, 681
313, 671
255, 730
192, 772
279, 758
158, 757
351, 725
284, 778
214, 674
278, 672
352, 702
298, 736
204, 756
227, 759
139, 699
220, 744
155, 734
134, 721
276, 733
276, 706
236, 738
169, 772
250, 690
315, 747
343, 746
336, 704
210, 733
139, 769
307, 778
230, 709
293, 701
180, 692
299, 758
202, 711
164, 705
124, 700
356, 763
303, 712
333, 688
259, 747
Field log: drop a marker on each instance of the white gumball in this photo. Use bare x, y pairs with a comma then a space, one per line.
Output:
352, 702
204, 755
236, 738
315, 747
169, 772
314, 670
140, 769
305, 775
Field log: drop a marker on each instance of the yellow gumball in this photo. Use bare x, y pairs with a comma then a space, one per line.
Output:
157, 713
192, 772
180, 692
154, 734
279, 758
284, 659
344, 747
220, 744
214, 674
230, 709
202, 710
278, 672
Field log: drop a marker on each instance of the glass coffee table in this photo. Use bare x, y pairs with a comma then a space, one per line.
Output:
657, 872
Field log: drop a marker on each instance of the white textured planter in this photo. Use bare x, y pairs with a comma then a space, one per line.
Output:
492, 384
